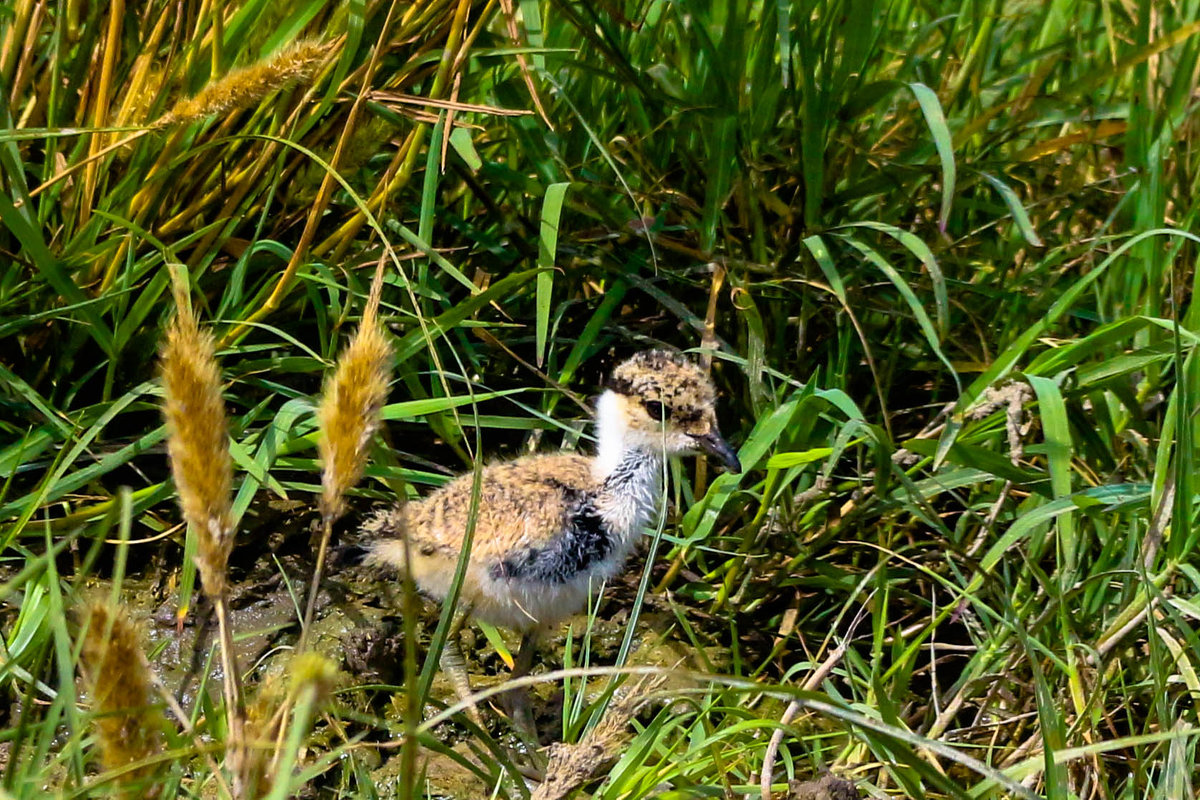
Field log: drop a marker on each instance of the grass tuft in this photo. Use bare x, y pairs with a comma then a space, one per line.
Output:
570, 766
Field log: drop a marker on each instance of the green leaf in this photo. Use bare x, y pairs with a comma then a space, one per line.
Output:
786, 460
921, 251
1020, 215
910, 298
460, 140
1057, 433
547, 250
935, 118
414, 341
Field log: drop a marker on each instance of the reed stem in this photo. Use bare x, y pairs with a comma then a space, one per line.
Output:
318, 570
235, 743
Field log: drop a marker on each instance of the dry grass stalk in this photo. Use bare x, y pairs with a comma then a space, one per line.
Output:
814, 680
246, 86
265, 718
197, 443
572, 765
348, 416
128, 728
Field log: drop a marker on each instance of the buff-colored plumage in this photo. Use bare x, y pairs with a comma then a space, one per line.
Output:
590, 508
197, 443
129, 728
521, 504
549, 529
349, 413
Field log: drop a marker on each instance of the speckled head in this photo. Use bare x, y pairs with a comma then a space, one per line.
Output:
666, 400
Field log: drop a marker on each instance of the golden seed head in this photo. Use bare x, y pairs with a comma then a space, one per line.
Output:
265, 718
349, 411
246, 86
315, 671
128, 727
197, 444
268, 715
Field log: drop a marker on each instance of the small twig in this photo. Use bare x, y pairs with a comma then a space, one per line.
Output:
790, 712
235, 750
276, 723
315, 586
510, 19
1159, 522
810, 685
1104, 647
185, 723
708, 341
66, 172
566, 391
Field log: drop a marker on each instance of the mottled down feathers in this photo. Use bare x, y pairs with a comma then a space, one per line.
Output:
548, 529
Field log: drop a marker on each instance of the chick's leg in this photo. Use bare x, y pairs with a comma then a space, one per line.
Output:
522, 710
455, 666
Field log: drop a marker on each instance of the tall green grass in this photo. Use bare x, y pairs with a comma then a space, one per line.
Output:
942, 252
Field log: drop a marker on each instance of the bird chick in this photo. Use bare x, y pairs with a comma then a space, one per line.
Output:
550, 528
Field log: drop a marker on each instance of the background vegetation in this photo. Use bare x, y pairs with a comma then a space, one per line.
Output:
939, 251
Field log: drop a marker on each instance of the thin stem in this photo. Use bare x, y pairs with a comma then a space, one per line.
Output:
235, 745
186, 726
414, 698
315, 585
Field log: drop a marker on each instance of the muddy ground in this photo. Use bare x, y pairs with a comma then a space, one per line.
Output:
360, 628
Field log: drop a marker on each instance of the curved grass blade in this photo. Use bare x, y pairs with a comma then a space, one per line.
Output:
1016, 208
921, 250
552, 205
935, 118
910, 299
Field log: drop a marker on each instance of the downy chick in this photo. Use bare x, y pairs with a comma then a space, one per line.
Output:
551, 528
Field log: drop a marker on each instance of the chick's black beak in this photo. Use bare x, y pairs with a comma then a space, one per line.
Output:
714, 445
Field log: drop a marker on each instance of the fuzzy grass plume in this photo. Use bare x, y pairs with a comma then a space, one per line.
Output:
349, 413
246, 86
128, 728
197, 443
348, 416
307, 684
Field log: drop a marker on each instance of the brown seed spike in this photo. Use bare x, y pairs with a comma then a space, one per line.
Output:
349, 413
128, 728
246, 86
197, 443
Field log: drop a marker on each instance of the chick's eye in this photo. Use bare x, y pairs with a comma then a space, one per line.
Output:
655, 409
